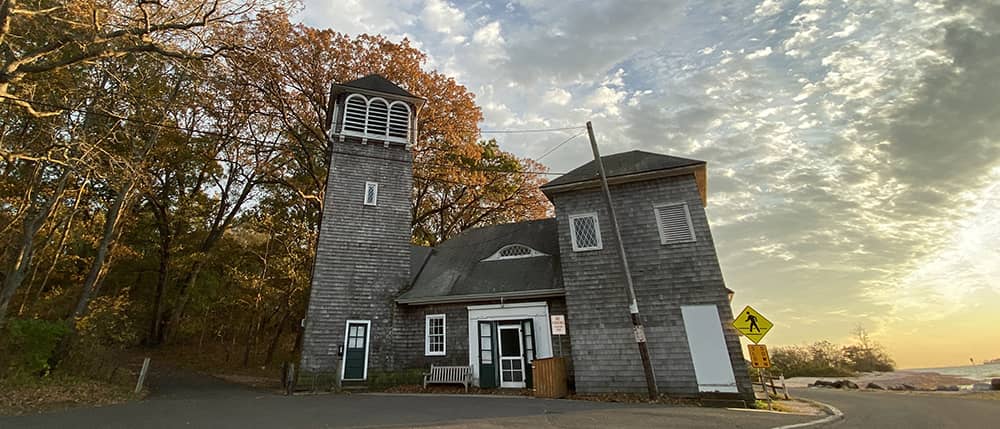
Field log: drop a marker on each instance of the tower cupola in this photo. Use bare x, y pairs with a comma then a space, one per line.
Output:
373, 110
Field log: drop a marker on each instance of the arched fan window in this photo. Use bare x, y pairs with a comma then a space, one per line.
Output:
355, 112
376, 119
514, 251
399, 121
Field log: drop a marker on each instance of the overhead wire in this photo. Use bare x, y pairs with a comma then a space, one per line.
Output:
258, 141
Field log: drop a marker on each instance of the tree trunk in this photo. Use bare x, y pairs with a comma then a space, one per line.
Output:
163, 227
269, 356
98, 266
22, 261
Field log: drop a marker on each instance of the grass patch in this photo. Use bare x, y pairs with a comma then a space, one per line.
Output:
27, 395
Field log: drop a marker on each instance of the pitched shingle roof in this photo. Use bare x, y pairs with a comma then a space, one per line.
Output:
623, 164
455, 269
378, 83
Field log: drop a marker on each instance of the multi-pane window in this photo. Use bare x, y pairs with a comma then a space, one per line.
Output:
674, 223
434, 335
585, 232
371, 193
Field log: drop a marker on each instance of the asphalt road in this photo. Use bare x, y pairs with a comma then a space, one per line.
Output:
193, 401
873, 409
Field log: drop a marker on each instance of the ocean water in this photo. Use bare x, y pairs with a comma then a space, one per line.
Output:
975, 372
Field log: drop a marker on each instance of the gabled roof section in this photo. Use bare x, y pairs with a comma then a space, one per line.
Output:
374, 82
628, 167
456, 270
624, 164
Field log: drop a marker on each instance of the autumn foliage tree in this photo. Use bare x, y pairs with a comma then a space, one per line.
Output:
172, 188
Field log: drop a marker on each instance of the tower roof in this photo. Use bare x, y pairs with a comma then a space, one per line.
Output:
374, 82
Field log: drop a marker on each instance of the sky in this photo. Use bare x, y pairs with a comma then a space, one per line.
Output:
853, 147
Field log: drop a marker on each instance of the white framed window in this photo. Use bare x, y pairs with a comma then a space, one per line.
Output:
585, 232
514, 251
434, 334
674, 222
371, 193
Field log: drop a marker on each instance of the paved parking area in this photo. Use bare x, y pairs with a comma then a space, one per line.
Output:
191, 401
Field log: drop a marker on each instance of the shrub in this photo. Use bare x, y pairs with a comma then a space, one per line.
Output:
27, 345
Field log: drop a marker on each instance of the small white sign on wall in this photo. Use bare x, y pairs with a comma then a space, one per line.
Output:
558, 324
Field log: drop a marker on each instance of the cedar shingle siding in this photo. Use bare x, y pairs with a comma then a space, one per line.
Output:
363, 258
365, 268
665, 276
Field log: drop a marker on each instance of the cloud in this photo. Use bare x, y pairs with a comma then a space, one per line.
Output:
852, 146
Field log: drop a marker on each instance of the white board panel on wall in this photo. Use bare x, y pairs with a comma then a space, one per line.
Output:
712, 366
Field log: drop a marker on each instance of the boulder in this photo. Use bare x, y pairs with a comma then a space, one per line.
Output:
823, 383
874, 386
982, 386
848, 384
908, 387
949, 388
995, 383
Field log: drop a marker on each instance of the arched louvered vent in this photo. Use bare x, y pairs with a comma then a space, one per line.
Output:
514, 251
355, 110
378, 118
399, 121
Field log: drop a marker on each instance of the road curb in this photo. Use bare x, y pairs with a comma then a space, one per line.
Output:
834, 415
450, 395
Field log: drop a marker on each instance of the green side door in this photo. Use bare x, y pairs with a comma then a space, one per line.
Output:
357, 350
489, 377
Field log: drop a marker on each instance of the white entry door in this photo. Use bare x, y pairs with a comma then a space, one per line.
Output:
712, 366
511, 356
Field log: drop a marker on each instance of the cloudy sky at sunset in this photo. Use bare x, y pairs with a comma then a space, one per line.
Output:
852, 146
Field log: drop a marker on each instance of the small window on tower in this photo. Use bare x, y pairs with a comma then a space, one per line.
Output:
371, 193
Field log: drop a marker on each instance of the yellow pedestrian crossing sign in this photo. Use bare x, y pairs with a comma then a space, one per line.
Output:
752, 324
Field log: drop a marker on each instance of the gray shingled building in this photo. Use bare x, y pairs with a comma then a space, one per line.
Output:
484, 298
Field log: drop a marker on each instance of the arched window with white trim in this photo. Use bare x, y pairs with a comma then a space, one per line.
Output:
355, 113
378, 118
399, 121
514, 251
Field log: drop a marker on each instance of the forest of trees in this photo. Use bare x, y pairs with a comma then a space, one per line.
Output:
163, 164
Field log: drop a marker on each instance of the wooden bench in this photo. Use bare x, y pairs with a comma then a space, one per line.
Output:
449, 375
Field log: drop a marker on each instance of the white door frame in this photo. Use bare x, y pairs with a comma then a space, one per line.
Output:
520, 357
537, 311
368, 346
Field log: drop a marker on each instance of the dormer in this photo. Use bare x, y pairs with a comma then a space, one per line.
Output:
373, 110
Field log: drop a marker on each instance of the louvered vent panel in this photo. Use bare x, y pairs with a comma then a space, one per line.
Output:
354, 114
378, 118
399, 120
674, 222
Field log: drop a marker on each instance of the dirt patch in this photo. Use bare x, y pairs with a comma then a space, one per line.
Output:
58, 393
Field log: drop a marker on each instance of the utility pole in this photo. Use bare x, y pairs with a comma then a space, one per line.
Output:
633, 307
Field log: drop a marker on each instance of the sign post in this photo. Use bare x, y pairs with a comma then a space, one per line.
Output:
755, 326
558, 322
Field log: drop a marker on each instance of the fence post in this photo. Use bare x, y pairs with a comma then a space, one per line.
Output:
142, 376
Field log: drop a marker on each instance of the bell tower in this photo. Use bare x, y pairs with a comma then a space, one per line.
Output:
363, 255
